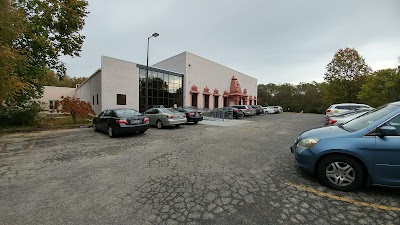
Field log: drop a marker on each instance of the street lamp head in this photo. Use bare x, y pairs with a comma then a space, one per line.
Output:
155, 35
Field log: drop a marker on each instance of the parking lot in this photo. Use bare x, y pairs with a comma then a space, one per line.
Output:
194, 174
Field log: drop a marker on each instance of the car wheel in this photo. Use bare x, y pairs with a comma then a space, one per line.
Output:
94, 126
111, 133
340, 172
196, 122
177, 125
159, 124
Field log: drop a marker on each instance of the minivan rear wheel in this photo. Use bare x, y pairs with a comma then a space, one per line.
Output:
340, 172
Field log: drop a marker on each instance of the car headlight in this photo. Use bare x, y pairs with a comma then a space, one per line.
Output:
308, 143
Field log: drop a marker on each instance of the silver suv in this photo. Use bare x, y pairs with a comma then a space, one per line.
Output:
246, 109
337, 109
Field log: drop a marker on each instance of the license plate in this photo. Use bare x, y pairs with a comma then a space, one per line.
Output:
135, 121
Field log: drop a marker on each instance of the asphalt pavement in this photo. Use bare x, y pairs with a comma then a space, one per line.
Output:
234, 173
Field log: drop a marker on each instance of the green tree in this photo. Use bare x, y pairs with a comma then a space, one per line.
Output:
51, 79
11, 28
49, 29
381, 88
266, 93
307, 98
345, 75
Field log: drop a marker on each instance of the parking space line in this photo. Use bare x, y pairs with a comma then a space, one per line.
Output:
343, 199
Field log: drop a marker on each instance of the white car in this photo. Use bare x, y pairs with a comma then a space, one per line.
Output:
278, 108
270, 110
337, 109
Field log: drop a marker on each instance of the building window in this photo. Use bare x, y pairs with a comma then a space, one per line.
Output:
97, 99
225, 102
121, 99
52, 104
216, 101
194, 99
206, 101
163, 89
93, 100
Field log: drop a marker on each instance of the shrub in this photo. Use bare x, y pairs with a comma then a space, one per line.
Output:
19, 115
75, 107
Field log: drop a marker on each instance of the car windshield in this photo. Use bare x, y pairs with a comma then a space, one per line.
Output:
368, 118
126, 112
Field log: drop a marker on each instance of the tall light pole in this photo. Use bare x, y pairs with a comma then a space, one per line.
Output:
146, 99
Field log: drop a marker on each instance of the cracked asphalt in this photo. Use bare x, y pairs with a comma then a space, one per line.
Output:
195, 174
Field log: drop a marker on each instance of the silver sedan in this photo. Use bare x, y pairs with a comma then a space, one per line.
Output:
161, 117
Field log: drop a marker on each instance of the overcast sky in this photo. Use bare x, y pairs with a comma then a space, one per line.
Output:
274, 41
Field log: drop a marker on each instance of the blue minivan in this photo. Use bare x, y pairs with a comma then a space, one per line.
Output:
365, 150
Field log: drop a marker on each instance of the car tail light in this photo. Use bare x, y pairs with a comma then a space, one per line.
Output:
248, 109
170, 117
146, 120
328, 110
121, 121
332, 121
236, 110
191, 114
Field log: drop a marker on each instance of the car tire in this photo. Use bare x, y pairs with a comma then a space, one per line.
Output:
111, 132
340, 172
196, 122
94, 127
177, 125
159, 124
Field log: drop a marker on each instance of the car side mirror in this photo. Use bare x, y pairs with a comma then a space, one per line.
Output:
388, 131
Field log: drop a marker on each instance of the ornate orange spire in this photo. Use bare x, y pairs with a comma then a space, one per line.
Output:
235, 86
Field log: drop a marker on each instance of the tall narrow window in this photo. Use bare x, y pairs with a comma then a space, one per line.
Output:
97, 99
93, 100
206, 101
216, 101
194, 99
121, 99
225, 102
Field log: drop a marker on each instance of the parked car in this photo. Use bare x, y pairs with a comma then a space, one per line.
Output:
118, 121
270, 110
366, 149
345, 117
192, 115
278, 108
337, 109
259, 109
246, 109
235, 112
161, 117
